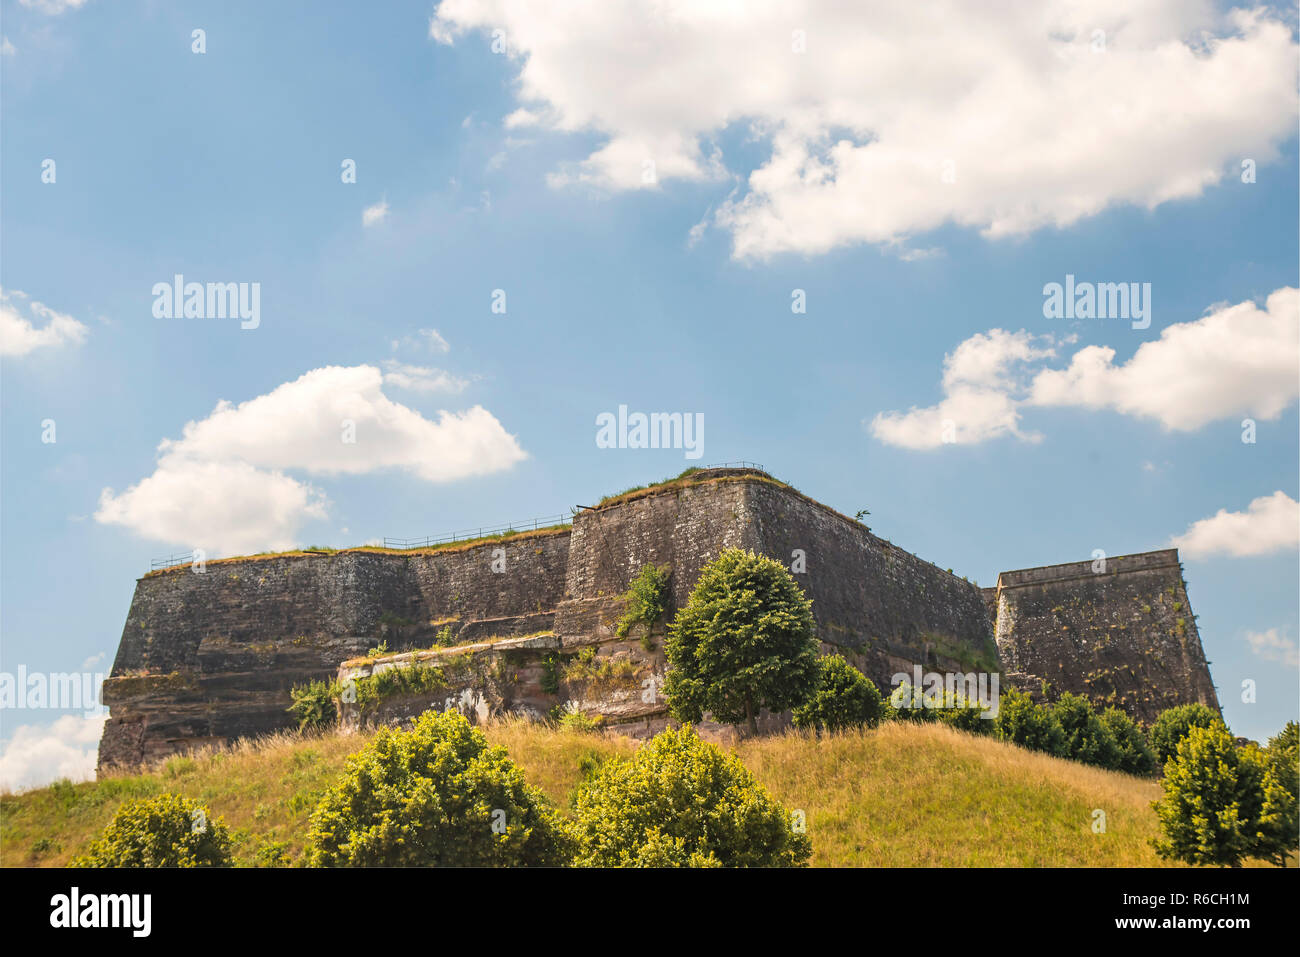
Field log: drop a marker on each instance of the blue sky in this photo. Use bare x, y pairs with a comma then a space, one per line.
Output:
524, 171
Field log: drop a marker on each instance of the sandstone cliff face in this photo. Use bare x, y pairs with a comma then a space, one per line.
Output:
1122, 634
210, 657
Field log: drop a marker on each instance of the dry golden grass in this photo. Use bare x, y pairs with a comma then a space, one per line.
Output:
551, 758
264, 789
925, 795
899, 795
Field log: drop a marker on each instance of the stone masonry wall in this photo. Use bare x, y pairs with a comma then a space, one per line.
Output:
882, 607
1124, 635
211, 657
207, 657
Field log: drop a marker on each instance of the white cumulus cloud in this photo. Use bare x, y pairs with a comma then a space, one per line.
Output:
1272, 645
223, 508
225, 485
21, 334
882, 119
978, 382
1238, 360
37, 755
1270, 523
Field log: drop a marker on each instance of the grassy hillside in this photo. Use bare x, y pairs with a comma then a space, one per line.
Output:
900, 795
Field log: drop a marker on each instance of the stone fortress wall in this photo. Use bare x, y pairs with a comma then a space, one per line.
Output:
210, 657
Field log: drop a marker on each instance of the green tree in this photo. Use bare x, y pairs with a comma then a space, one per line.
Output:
1134, 755
163, 831
744, 641
681, 802
437, 795
1172, 725
1278, 834
845, 698
1029, 725
1213, 798
1087, 739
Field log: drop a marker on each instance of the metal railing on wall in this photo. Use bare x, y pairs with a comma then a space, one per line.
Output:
733, 465
483, 531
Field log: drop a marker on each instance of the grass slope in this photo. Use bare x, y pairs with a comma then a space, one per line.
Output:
900, 795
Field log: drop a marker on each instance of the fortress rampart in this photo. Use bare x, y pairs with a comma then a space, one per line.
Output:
1119, 630
211, 657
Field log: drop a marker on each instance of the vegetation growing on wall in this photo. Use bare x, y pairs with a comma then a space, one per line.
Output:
314, 704
597, 675
552, 671
416, 679
685, 478
645, 601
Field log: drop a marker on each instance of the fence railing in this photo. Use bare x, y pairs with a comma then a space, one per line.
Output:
184, 558
483, 531
733, 465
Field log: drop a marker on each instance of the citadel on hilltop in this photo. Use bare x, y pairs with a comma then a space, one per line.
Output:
206, 658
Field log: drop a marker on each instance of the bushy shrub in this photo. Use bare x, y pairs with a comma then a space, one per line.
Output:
437, 795
1029, 725
745, 641
1213, 798
944, 705
552, 671
596, 675
906, 703
845, 698
163, 831
1133, 753
964, 714
680, 801
1087, 739
646, 598
313, 704
1172, 725
574, 719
